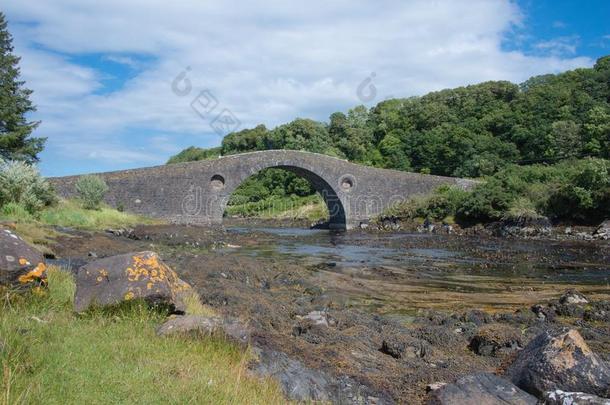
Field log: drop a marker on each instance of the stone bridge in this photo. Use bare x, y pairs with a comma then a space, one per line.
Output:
198, 192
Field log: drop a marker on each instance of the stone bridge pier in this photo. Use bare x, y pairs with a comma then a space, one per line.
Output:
198, 192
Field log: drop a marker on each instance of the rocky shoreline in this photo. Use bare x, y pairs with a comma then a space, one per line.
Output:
321, 347
537, 228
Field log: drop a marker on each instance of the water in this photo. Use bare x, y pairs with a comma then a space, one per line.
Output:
404, 267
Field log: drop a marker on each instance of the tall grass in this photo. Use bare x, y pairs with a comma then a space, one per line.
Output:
310, 207
50, 355
69, 213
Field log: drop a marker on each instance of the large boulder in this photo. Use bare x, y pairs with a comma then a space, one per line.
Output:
20, 262
141, 275
480, 389
560, 360
205, 325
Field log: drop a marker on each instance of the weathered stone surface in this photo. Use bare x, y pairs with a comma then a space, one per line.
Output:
571, 303
560, 360
19, 262
402, 346
603, 230
495, 339
598, 311
523, 227
559, 397
125, 277
198, 192
572, 296
480, 389
317, 317
302, 383
205, 325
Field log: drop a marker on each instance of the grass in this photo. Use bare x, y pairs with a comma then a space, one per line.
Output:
69, 213
310, 207
66, 213
50, 355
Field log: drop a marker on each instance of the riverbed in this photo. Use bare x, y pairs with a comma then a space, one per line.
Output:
423, 296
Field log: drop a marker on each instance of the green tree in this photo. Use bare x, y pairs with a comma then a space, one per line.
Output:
15, 129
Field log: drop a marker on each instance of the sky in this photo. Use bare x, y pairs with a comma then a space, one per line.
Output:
128, 83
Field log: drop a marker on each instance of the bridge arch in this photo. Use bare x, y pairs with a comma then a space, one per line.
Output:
225, 184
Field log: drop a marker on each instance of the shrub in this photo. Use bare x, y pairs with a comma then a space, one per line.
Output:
21, 184
487, 202
441, 204
522, 207
91, 190
15, 212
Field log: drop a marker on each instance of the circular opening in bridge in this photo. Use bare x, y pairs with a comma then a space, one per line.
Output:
346, 183
217, 182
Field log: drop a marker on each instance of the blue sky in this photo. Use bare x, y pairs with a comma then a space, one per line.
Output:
127, 84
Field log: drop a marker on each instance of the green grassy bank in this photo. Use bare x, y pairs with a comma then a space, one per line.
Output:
50, 355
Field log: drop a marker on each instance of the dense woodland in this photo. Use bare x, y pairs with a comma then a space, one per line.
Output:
504, 132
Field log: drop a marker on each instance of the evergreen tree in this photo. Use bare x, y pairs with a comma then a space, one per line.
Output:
15, 129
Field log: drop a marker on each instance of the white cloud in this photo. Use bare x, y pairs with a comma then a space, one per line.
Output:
266, 61
559, 46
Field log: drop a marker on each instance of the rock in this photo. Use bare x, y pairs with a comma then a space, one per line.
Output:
598, 311
560, 360
115, 279
559, 397
572, 296
476, 317
522, 227
435, 386
544, 313
571, 304
301, 383
317, 317
126, 232
495, 339
480, 389
205, 325
389, 223
403, 346
20, 263
603, 231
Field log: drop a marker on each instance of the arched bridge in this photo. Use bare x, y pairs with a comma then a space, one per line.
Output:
198, 192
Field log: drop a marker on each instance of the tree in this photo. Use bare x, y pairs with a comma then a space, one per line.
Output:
15, 129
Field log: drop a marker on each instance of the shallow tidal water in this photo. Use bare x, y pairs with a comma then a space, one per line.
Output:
399, 273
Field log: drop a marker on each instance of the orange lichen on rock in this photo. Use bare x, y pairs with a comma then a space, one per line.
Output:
147, 266
33, 275
141, 275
